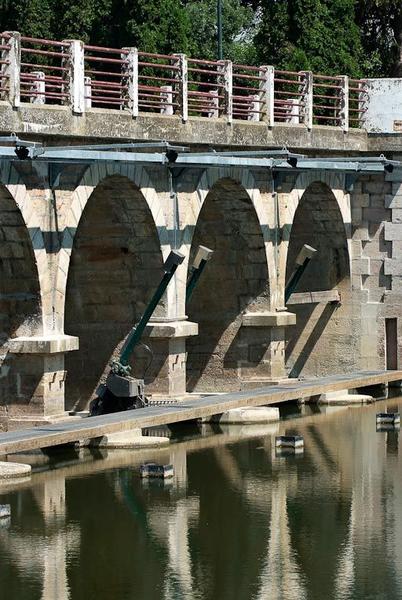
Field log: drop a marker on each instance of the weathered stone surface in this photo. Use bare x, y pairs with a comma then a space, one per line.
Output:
393, 231
268, 319
174, 329
343, 397
128, 439
248, 415
12, 470
393, 266
93, 271
105, 124
43, 344
315, 297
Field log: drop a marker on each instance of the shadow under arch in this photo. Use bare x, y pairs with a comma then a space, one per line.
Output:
20, 306
222, 356
323, 338
116, 263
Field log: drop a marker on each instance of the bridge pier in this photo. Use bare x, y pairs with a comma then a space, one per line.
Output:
38, 374
174, 334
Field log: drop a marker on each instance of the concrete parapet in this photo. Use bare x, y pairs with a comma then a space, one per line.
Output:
51, 344
269, 319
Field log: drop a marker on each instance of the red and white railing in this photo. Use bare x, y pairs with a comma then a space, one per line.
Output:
87, 77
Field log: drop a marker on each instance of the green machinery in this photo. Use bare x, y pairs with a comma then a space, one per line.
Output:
121, 391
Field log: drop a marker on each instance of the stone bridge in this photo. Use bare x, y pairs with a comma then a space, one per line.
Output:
82, 244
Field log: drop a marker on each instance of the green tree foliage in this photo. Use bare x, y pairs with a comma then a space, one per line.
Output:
318, 35
151, 25
30, 17
380, 23
238, 29
355, 37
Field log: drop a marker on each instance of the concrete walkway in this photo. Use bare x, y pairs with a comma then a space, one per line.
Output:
93, 427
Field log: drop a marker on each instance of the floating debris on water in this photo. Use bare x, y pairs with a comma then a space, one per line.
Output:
5, 511
289, 441
155, 470
390, 418
283, 451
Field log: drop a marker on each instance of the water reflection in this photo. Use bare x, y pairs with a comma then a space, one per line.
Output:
238, 521
45, 550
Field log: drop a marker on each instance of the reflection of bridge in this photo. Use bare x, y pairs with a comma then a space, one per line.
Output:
347, 470
84, 232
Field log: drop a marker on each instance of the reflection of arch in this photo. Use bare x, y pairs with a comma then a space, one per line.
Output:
115, 266
319, 217
236, 279
92, 178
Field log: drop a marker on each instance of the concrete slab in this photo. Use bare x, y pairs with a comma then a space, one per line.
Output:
12, 470
344, 397
268, 319
247, 415
127, 439
170, 329
50, 344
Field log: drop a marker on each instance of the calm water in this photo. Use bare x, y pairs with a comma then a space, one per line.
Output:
236, 523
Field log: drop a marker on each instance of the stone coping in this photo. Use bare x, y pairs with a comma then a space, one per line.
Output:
269, 319
47, 344
171, 329
106, 124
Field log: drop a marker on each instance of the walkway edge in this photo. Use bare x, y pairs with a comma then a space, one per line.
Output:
67, 432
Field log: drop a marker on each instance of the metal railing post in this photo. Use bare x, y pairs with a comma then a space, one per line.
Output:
306, 97
166, 95
88, 92
213, 102
75, 79
267, 72
344, 103
38, 87
130, 77
225, 78
181, 74
254, 108
12, 69
362, 102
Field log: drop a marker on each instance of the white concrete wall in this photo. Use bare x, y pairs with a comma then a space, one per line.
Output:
384, 106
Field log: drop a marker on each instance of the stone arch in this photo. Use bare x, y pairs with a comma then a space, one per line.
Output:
92, 178
115, 265
289, 203
322, 341
20, 291
264, 210
14, 184
221, 356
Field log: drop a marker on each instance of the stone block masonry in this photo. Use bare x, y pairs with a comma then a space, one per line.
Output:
79, 263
